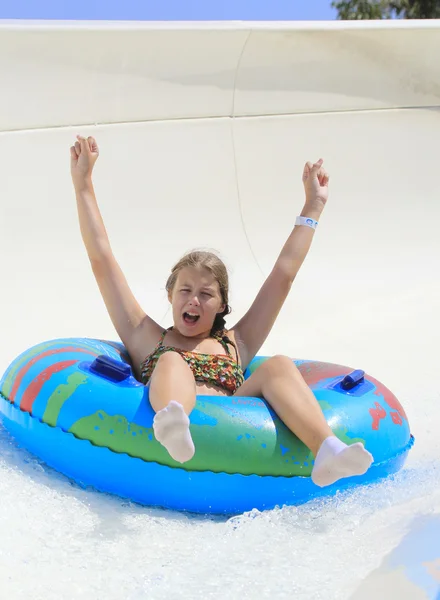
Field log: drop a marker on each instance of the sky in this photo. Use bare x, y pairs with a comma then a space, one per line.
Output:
166, 10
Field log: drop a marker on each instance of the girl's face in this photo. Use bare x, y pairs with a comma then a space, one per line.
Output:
196, 300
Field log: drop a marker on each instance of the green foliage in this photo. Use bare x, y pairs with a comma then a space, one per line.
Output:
386, 9
349, 10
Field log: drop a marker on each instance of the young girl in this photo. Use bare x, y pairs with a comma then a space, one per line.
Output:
197, 355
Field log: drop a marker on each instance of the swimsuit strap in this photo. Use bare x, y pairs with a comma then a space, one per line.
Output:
224, 339
162, 337
159, 344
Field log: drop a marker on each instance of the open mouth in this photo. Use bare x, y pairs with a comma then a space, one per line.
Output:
190, 318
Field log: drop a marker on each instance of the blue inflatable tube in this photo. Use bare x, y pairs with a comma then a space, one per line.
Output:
75, 404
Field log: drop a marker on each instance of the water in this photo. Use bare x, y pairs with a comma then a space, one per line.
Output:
59, 540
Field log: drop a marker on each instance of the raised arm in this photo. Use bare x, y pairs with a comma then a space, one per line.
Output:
135, 328
254, 327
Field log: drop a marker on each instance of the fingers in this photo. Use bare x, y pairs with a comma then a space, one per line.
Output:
83, 144
307, 168
316, 167
324, 178
316, 170
312, 168
73, 153
92, 144
86, 145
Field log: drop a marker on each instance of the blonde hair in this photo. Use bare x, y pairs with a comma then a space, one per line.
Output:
200, 259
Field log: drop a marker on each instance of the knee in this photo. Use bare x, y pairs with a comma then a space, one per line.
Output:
280, 365
169, 359
172, 363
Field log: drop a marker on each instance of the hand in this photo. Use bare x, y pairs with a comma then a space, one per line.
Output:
83, 156
315, 180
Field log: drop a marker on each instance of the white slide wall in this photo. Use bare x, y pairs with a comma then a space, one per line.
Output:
203, 132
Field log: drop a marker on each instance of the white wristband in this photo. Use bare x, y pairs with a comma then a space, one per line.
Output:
307, 221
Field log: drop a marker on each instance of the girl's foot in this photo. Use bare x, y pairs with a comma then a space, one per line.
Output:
171, 429
336, 460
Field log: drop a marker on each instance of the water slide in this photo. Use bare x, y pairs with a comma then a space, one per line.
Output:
203, 131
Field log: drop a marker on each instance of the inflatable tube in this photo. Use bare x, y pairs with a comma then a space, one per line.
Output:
75, 404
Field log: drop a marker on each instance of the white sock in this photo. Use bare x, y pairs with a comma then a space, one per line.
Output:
336, 460
171, 429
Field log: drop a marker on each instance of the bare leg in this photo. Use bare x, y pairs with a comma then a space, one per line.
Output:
173, 396
282, 385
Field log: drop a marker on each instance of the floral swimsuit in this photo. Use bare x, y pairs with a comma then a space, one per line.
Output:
220, 370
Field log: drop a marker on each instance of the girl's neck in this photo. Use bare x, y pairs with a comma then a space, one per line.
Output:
199, 338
